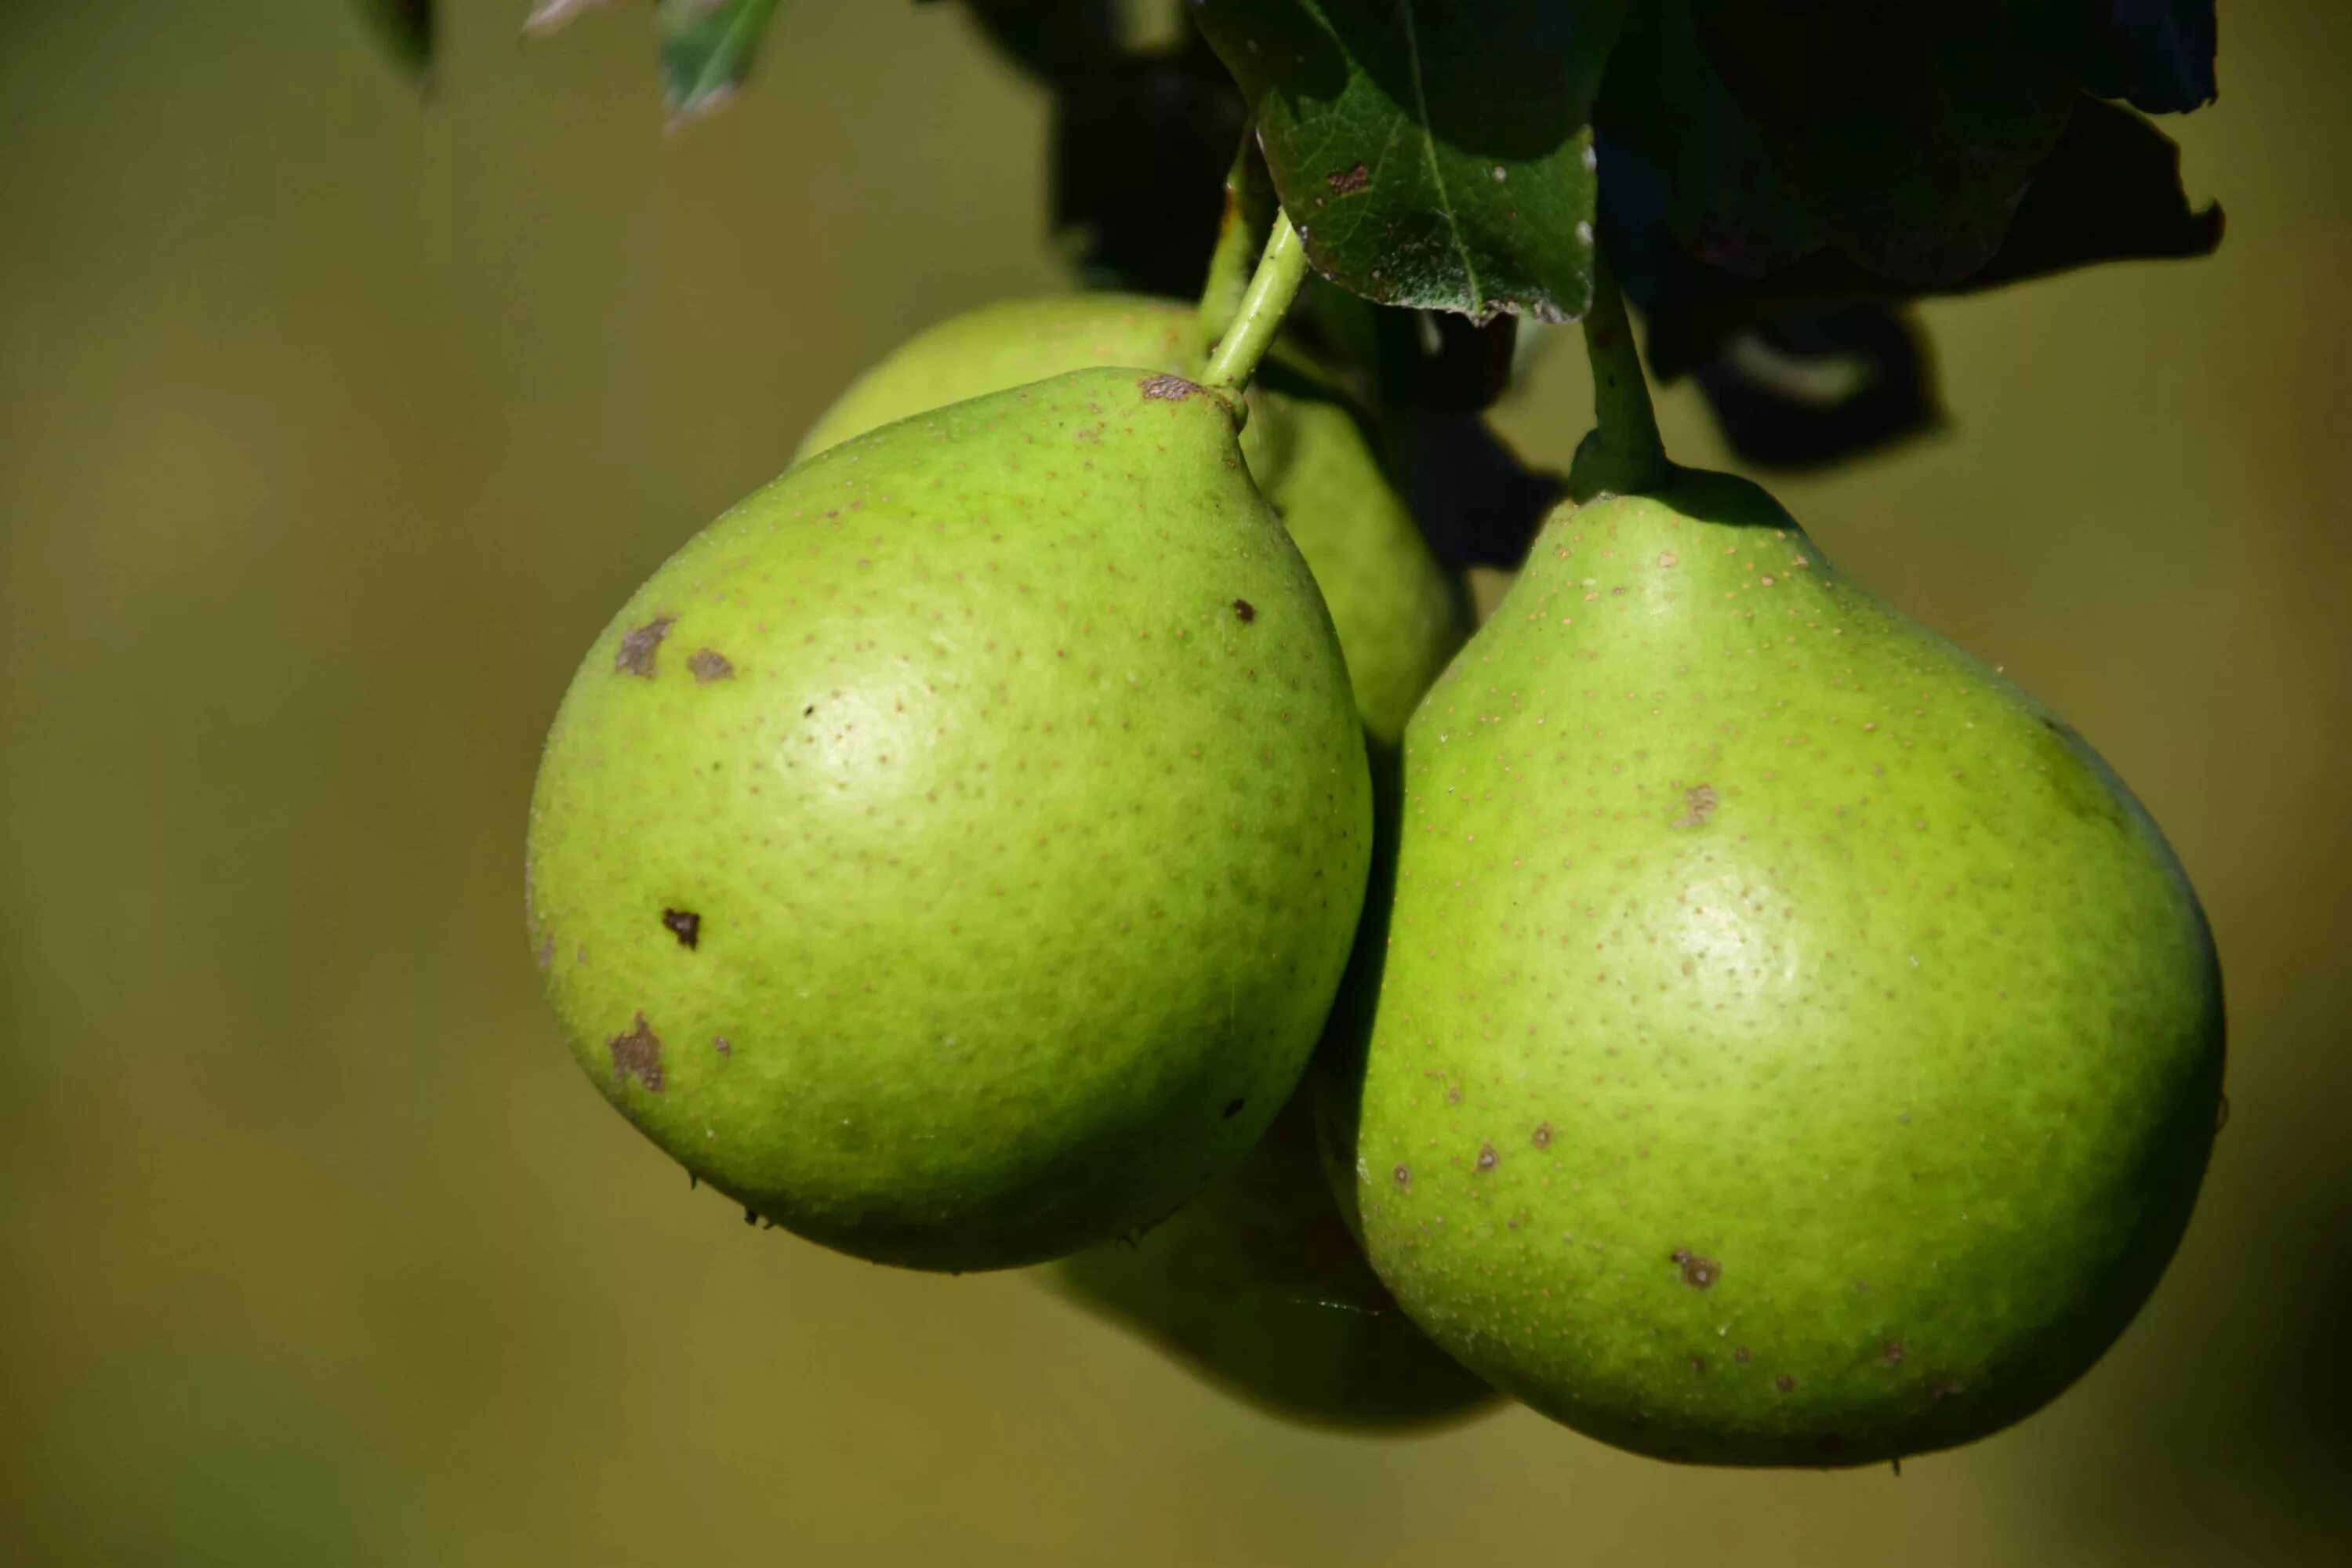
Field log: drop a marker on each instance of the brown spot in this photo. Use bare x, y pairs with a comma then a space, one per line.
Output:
1742, 1355
1403, 1176
1698, 1366
685, 925
1167, 388
1784, 1382
1832, 1443
722, 1044
1488, 1158
544, 955
636, 655
1454, 1094
1244, 612
1891, 1354
1542, 1136
638, 1055
1233, 1108
709, 665
1698, 1273
750, 1219
1348, 182
1698, 804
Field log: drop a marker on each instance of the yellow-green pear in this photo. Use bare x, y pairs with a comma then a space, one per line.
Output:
951, 852
1795, 1046
1258, 1286
1399, 619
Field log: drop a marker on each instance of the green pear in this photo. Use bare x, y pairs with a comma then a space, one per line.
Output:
1795, 1047
1398, 616
951, 852
1255, 1284
1258, 1286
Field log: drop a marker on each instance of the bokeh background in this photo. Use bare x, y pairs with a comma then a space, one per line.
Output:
333, 428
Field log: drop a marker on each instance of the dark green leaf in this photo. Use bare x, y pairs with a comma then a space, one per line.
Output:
1818, 363
2109, 191
1903, 134
1432, 153
706, 50
407, 28
1715, 186
2158, 53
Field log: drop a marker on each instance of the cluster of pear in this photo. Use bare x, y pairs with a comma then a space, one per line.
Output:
1060, 821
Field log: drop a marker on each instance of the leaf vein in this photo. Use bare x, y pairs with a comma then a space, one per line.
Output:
1436, 170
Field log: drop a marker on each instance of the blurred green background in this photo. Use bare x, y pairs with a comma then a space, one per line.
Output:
331, 429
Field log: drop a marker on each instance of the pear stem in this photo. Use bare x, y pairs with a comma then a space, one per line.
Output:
1249, 214
1280, 272
1624, 455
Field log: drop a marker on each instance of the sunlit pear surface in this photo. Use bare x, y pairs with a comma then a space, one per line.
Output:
951, 852
1795, 1047
1398, 616
1256, 1284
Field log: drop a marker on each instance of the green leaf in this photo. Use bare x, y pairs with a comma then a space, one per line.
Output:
1902, 134
2157, 53
2109, 191
706, 50
1434, 153
1718, 189
406, 29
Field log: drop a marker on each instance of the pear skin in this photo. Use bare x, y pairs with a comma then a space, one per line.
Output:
1399, 617
1258, 1286
1795, 1046
951, 852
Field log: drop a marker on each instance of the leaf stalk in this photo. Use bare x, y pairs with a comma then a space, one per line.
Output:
1280, 272
1249, 215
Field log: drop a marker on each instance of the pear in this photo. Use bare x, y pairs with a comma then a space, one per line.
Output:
951, 852
1398, 615
1258, 1286
1795, 1046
